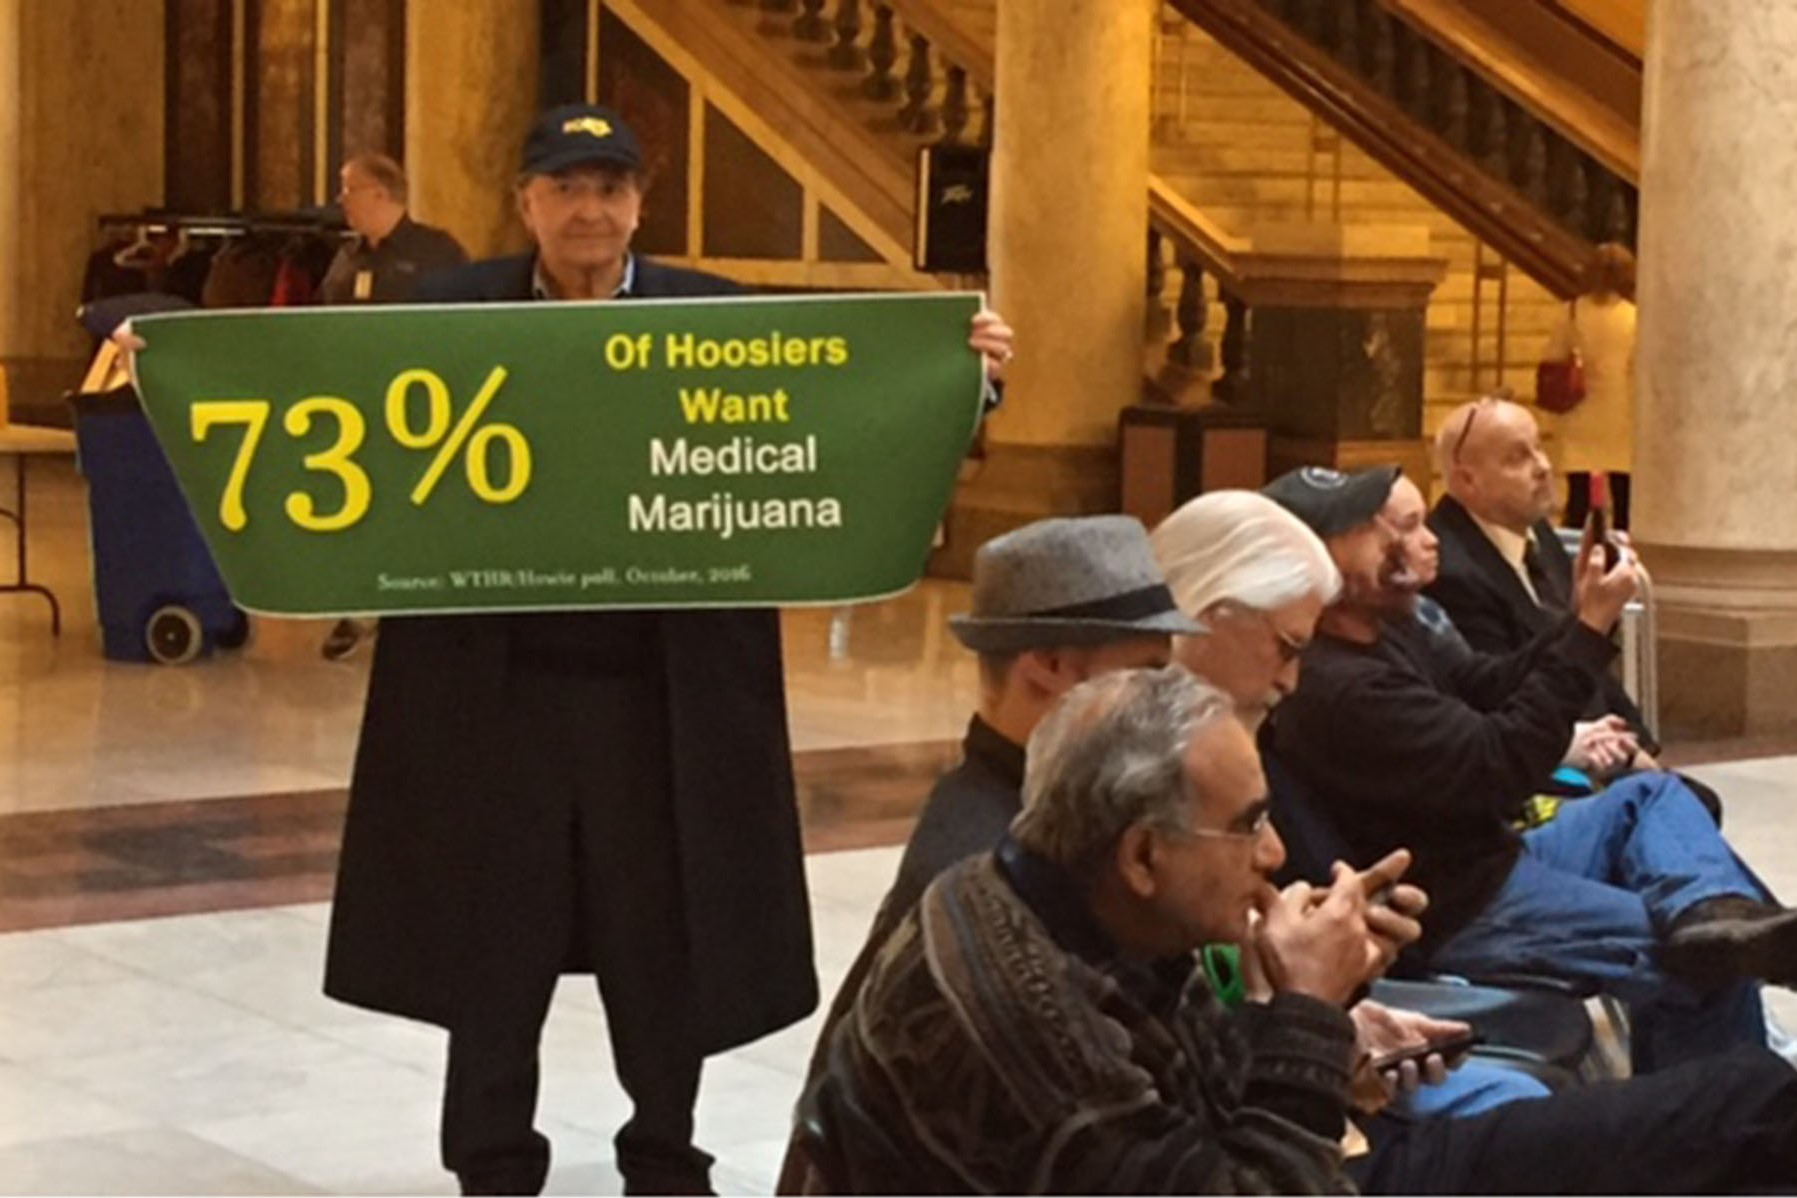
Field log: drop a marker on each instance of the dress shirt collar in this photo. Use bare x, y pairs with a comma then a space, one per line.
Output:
1513, 547
539, 284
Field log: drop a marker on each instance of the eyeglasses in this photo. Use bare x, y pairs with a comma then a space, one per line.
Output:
1501, 395
1290, 647
1256, 822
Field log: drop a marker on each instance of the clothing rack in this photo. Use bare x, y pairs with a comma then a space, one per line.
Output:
224, 225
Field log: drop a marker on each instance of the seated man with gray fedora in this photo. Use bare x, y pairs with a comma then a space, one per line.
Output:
1054, 603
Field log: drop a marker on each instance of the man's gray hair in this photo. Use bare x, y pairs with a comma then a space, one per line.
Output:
1110, 755
1242, 547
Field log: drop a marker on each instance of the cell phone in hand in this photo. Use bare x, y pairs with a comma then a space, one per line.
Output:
1597, 523
1448, 1047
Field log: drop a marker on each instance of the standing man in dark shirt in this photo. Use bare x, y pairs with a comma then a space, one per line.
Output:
381, 264
390, 251
1633, 889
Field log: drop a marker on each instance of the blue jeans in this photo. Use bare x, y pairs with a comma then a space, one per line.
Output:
1472, 1089
1591, 897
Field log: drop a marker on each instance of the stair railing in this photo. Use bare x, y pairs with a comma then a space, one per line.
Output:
1517, 184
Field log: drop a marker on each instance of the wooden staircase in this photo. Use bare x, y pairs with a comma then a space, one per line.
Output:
855, 89
1242, 151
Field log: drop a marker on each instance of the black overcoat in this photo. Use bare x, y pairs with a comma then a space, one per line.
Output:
423, 926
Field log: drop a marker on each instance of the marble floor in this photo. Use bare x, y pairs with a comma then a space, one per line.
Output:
166, 836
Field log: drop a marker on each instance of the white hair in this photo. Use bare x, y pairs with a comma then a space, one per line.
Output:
1242, 547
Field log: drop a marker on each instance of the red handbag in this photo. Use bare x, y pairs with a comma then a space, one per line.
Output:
1560, 386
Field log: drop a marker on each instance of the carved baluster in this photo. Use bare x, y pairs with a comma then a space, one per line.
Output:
1191, 349
1413, 75
1346, 34
919, 115
1157, 284
956, 111
846, 54
1232, 387
1531, 175
1576, 198
1602, 200
812, 25
1588, 185
1619, 217
780, 6
1493, 133
1378, 51
1559, 174
1455, 103
988, 119
1306, 17
882, 55
1516, 147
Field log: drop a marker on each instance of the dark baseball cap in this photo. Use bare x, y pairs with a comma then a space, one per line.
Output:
580, 135
1329, 501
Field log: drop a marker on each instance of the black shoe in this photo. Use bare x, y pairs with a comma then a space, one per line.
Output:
1732, 939
664, 1171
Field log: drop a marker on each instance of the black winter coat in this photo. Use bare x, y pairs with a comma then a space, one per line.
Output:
422, 925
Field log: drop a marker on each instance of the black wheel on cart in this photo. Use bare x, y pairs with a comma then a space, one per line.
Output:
174, 636
236, 634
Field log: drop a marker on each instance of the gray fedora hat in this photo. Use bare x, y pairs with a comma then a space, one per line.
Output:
1079, 581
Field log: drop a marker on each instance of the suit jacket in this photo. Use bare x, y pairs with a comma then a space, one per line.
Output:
1494, 612
424, 926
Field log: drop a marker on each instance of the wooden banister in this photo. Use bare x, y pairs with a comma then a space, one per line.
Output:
1533, 239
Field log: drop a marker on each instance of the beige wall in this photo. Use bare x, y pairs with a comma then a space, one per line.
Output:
80, 134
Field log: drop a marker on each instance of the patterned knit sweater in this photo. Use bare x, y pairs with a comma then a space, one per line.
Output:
988, 1053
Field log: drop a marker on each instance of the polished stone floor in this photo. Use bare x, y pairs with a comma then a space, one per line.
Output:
166, 839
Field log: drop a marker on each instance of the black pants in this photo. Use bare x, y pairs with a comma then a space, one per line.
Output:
1578, 498
1724, 1124
599, 741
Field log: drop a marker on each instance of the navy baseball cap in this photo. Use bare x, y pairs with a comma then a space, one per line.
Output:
580, 135
1329, 501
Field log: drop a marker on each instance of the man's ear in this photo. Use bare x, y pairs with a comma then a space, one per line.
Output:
1135, 861
1047, 670
522, 199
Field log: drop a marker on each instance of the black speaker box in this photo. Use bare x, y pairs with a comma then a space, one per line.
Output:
953, 183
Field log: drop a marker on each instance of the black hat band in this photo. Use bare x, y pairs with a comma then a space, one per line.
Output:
1152, 600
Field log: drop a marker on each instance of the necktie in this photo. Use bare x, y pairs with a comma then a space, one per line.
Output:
1548, 592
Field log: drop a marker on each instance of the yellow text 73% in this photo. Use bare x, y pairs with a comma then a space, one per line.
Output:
466, 438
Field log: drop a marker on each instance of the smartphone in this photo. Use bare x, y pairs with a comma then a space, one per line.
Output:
1597, 523
1450, 1048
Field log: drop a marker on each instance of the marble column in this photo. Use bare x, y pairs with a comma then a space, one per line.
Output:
1068, 218
1715, 469
80, 134
471, 91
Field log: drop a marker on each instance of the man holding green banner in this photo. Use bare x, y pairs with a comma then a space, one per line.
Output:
564, 790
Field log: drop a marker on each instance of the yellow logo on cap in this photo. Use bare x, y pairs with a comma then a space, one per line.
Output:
587, 124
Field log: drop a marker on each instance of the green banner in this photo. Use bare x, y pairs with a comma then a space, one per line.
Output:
743, 451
